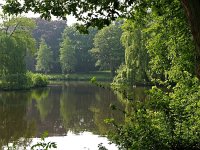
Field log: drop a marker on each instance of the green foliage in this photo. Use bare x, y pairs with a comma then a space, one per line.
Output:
75, 50
44, 57
169, 120
39, 80
107, 47
170, 45
99, 75
23, 81
15, 81
43, 144
121, 76
136, 68
136, 55
67, 56
51, 31
15, 41
93, 79
91, 13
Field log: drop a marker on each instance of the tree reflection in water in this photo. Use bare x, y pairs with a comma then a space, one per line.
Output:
83, 107
13, 119
70, 107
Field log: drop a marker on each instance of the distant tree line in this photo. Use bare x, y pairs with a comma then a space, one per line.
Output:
53, 47
63, 49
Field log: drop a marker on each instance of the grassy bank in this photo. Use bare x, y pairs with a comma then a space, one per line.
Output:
99, 75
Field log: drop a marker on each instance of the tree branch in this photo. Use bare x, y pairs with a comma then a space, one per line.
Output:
15, 28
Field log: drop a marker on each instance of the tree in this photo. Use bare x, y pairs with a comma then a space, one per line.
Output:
192, 12
136, 56
101, 13
171, 50
82, 43
107, 48
51, 31
44, 57
67, 56
16, 41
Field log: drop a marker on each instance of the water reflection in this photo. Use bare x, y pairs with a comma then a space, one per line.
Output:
60, 109
83, 107
43, 104
13, 119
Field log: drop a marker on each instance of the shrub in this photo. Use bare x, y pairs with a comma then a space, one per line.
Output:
15, 81
23, 81
39, 80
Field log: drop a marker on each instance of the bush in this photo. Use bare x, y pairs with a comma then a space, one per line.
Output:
23, 81
39, 80
15, 81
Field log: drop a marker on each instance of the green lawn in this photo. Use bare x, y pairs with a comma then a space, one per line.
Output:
99, 75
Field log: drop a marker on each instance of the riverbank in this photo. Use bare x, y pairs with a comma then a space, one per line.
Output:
99, 75
23, 81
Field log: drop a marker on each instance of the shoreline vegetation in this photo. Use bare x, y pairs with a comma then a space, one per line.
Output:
24, 81
31, 80
36, 80
99, 75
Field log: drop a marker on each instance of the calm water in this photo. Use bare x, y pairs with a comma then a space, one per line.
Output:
71, 112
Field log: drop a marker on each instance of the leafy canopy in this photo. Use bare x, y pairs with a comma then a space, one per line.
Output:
91, 12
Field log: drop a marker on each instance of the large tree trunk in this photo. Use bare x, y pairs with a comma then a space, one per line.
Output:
192, 11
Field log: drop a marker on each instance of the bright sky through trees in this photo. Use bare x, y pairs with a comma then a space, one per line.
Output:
70, 19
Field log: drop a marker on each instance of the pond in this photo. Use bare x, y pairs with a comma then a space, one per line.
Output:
72, 113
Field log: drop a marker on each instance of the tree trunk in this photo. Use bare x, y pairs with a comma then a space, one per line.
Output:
192, 11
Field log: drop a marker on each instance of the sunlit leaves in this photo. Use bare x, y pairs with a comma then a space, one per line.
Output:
44, 57
67, 55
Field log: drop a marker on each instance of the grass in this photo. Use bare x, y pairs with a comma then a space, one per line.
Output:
99, 75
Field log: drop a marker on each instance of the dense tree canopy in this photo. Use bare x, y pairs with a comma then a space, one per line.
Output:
166, 120
108, 49
80, 45
51, 31
16, 41
136, 56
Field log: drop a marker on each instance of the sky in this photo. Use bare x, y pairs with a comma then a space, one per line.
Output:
70, 19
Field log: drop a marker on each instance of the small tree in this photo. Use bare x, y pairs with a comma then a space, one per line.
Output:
67, 56
44, 57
